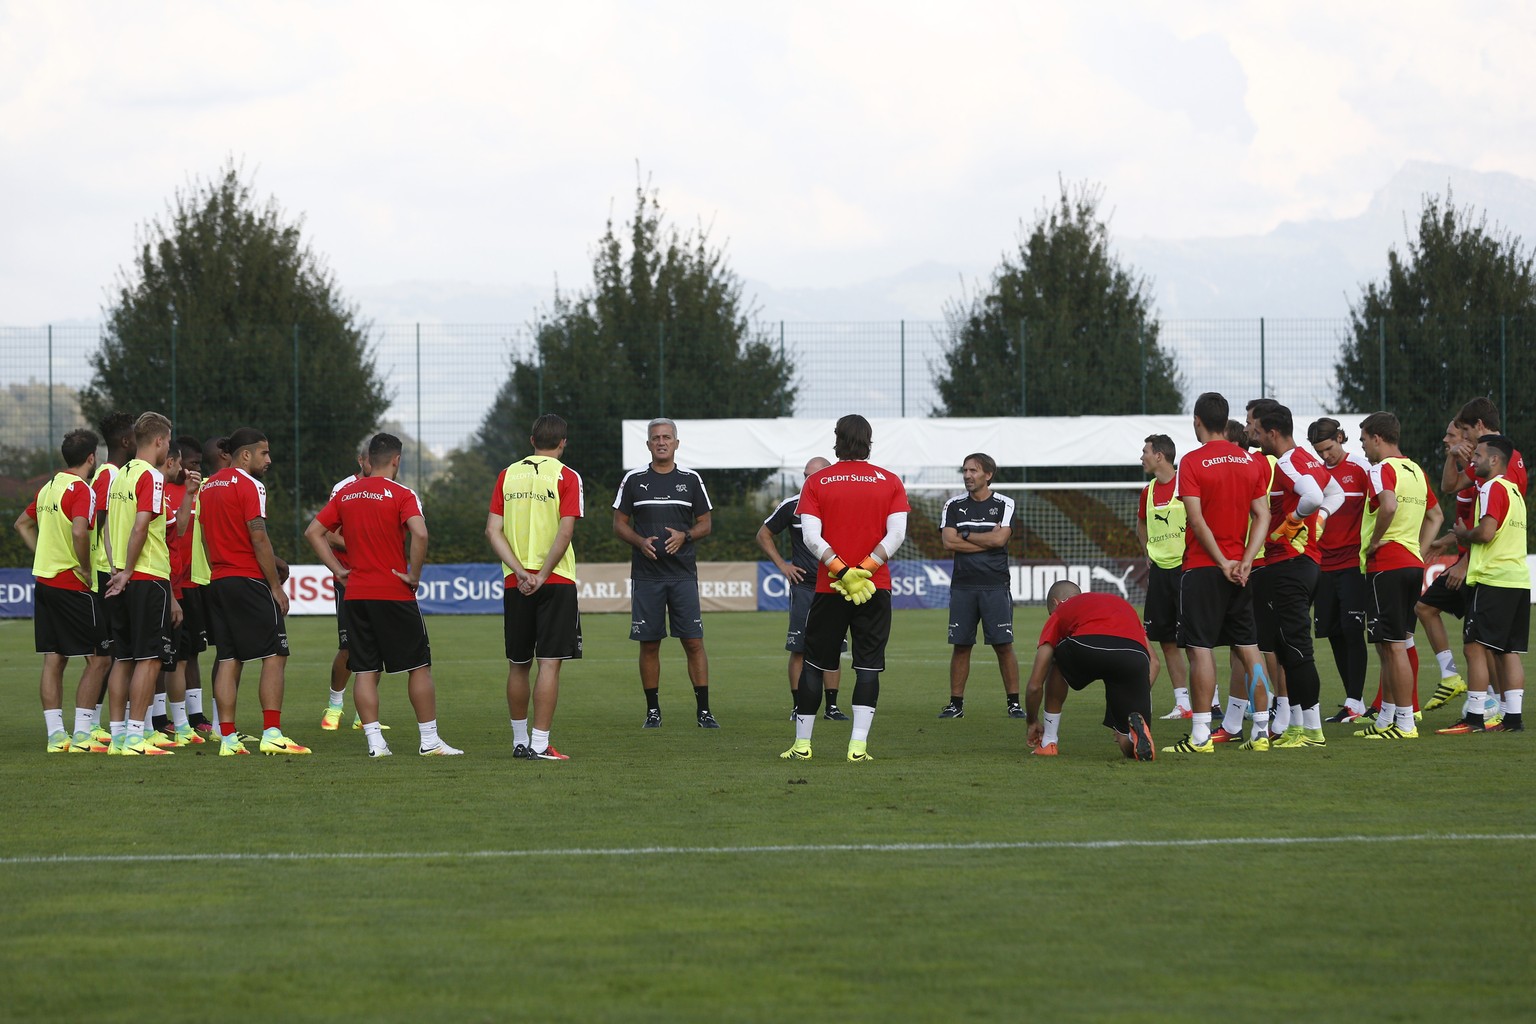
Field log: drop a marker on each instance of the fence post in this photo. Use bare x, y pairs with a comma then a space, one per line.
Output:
1023, 363
420, 444
784, 394
1141, 334
173, 375
903, 369
1503, 373
51, 434
1381, 347
298, 527
661, 369
1263, 390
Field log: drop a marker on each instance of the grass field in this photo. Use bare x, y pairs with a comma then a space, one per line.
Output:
683, 874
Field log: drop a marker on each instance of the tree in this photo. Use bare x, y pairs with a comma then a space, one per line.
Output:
228, 318
662, 331
1451, 321
1085, 323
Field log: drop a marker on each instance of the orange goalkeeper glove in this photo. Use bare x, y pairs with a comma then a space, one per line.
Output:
1289, 527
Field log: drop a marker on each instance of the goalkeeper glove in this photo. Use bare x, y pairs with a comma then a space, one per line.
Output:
856, 585
1289, 527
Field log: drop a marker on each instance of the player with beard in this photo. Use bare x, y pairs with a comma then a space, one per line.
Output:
1339, 602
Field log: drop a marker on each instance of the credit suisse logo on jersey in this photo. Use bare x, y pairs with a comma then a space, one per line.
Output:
858, 478
1222, 459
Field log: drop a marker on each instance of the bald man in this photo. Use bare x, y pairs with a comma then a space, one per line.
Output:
800, 572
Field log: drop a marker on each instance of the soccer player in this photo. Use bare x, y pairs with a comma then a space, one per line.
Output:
800, 572
660, 511
376, 514
1339, 601
853, 516
171, 696
976, 527
1445, 592
246, 600
1160, 527
143, 620
1499, 578
533, 516
117, 435
1301, 497
1090, 637
193, 639
1226, 499
67, 619
1401, 516
330, 719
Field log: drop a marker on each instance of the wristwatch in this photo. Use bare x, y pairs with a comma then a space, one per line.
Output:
965, 533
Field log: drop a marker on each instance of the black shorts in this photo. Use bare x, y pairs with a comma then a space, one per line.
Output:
67, 622
342, 640
141, 622
1338, 605
800, 599
546, 626
832, 617
992, 608
387, 636
1122, 663
1283, 608
1160, 613
653, 604
1214, 611
1389, 617
247, 624
103, 580
192, 635
1438, 595
1499, 618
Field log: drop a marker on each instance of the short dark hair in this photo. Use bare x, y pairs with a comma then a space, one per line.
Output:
1237, 433
1258, 405
1501, 444
1383, 425
1162, 445
852, 437
212, 447
549, 430
1325, 429
1275, 416
78, 446
190, 446
987, 463
149, 426
384, 446
243, 437
116, 430
1479, 410
1211, 410
1062, 590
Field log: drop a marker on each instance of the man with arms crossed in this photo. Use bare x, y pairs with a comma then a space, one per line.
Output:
1401, 515
800, 572
976, 527
246, 601
533, 516
660, 511
1499, 605
853, 516
376, 514
1160, 526
1089, 637
67, 617
1226, 500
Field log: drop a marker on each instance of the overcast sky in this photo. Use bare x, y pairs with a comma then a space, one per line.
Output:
826, 143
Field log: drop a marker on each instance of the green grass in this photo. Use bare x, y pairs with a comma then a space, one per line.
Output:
1393, 930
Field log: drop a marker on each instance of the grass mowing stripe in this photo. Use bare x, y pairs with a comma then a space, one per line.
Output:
657, 851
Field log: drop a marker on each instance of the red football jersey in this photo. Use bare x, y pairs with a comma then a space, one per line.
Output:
1340, 545
371, 513
232, 498
1091, 614
1291, 469
1162, 494
341, 554
1225, 480
852, 499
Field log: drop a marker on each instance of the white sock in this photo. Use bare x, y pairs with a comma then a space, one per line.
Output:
159, 706
118, 729
101, 711
1476, 701
803, 726
375, 734
1215, 695
428, 734
1312, 717
1513, 701
194, 700
1281, 719
178, 709
1181, 697
1199, 727
336, 697
540, 741
1233, 720
1260, 724
863, 718
213, 714
1405, 718
1355, 705
83, 721
519, 731
53, 720
1447, 662
134, 727
1052, 728
1387, 716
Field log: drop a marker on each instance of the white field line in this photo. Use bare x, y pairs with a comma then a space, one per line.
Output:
727, 851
